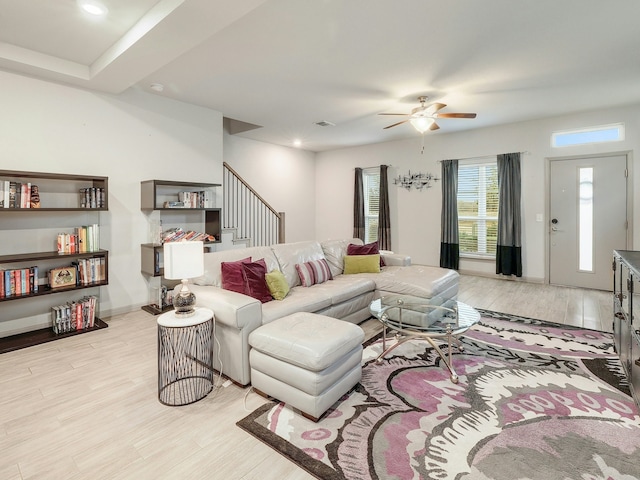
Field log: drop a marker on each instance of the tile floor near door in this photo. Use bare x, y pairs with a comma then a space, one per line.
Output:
87, 406
571, 306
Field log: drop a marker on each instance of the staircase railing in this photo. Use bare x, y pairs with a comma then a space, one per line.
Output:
248, 213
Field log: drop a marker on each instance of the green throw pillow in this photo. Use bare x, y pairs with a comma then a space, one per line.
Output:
361, 264
277, 284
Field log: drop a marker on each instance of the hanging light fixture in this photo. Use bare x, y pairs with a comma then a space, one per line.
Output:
421, 123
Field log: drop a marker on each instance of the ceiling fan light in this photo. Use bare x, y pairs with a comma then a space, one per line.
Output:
422, 124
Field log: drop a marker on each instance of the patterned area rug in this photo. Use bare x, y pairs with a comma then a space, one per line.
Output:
535, 401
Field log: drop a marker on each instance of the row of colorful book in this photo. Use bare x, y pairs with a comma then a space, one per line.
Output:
179, 235
85, 239
92, 197
18, 195
201, 199
19, 281
90, 270
74, 316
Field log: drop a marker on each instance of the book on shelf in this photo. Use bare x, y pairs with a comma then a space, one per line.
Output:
84, 239
25, 195
92, 197
13, 195
18, 281
74, 316
197, 199
177, 234
90, 270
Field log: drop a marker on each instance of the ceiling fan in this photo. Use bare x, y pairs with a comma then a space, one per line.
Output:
424, 117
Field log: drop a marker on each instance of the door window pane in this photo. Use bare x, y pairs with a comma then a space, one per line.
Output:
585, 220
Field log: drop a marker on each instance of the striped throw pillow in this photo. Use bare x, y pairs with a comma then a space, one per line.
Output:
315, 271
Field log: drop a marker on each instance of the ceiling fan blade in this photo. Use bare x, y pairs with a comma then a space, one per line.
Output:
455, 115
434, 126
395, 124
405, 114
434, 107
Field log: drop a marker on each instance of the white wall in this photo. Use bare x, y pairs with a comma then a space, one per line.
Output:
416, 214
135, 136
283, 176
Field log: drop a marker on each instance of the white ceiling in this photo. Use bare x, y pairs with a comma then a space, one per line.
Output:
286, 64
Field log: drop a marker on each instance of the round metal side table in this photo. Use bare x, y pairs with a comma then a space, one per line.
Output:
185, 357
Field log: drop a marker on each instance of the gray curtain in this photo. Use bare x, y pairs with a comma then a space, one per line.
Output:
449, 240
509, 248
358, 206
384, 219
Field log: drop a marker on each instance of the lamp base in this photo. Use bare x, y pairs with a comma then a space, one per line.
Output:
184, 302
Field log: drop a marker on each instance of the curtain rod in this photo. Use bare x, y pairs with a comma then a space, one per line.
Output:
375, 166
482, 157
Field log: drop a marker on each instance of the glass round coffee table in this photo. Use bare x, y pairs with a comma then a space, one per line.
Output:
427, 319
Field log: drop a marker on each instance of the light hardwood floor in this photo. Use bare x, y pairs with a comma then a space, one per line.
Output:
86, 407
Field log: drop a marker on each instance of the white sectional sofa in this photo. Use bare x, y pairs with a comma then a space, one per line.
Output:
346, 296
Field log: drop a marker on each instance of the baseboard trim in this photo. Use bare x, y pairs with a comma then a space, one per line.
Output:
510, 278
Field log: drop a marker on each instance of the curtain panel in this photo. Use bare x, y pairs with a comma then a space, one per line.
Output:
449, 238
358, 206
509, 247
384, 219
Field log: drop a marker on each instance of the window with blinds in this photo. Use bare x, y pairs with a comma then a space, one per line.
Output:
371, 186
478, 207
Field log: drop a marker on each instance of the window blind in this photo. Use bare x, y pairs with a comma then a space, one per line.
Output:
478, 208
371, 185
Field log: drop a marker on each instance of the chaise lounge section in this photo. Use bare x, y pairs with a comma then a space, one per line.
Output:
346, 296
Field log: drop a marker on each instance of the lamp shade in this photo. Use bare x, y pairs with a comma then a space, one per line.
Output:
422, 124
183, 260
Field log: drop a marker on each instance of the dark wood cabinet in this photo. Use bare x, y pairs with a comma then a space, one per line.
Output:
626, 314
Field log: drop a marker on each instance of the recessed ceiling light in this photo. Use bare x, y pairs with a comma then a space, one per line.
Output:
157, 87
297, 143
93, 7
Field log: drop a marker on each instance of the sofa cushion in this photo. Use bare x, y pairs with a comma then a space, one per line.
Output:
289, 254
313, 272
232, 278
299, 299
277, 284
367, 249
254, 280
334, 252
361, 264
345, 287
417, 280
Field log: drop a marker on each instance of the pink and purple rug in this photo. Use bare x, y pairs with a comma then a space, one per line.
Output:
535, 401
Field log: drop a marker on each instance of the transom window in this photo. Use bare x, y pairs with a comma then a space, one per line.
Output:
478, 207
371, 187
584, 136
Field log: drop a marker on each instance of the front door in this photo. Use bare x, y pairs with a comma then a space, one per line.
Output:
588, 219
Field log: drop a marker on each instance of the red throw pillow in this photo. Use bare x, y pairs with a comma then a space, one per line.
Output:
232, 278
255, 283
366, 249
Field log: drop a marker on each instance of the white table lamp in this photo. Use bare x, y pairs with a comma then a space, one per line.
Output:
182, 261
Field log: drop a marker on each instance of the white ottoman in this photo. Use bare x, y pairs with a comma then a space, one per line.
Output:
306, 360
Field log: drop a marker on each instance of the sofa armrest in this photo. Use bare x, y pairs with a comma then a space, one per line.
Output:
230, 308
395, 259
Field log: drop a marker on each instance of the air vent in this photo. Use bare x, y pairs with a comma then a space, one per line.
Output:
324, 123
